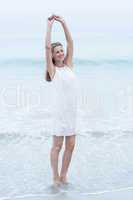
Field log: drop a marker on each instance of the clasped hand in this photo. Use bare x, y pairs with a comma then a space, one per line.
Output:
53, 17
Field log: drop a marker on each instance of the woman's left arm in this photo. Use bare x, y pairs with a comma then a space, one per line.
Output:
69, 53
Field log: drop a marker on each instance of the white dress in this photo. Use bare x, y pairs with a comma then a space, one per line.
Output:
64, 108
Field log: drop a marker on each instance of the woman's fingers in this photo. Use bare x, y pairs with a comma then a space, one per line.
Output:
55, 17
58, 18
50, 21
51, 17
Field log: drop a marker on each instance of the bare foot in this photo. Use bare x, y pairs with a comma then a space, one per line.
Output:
56, 182
63, 179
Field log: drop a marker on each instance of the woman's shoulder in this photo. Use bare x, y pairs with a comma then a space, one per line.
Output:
70, 65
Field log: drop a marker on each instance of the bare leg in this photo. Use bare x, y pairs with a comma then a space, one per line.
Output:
54, 155
69, 146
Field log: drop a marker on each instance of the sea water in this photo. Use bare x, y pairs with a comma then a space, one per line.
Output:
103, 151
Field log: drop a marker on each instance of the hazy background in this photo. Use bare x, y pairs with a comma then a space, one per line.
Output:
102, 28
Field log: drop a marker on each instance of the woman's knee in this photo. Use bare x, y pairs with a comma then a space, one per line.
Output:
57, 147
70, 144
58, 143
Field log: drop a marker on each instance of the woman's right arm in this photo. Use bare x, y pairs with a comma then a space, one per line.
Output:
48, 53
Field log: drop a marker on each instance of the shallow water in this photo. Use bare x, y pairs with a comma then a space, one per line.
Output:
102, 161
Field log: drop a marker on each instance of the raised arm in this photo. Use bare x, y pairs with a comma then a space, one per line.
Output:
69, 54
48, 53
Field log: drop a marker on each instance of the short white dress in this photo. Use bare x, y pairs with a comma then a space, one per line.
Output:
64, 109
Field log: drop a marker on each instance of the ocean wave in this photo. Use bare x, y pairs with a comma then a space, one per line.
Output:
77, 61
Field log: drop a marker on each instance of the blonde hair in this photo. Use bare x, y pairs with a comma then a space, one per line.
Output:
53, 45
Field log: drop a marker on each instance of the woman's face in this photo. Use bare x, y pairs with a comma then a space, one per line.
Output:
58, 53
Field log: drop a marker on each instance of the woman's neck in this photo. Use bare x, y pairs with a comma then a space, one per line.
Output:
59, 63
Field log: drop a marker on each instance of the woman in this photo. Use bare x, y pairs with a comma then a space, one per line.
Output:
59, 70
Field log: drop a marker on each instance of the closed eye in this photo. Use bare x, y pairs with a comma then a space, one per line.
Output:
60, 50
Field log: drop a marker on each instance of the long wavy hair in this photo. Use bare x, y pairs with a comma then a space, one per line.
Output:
53, 45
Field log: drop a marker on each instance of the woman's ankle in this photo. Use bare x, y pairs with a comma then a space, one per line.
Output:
56, 178
63, 178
